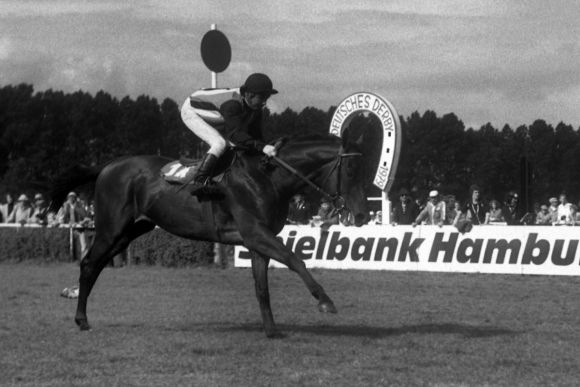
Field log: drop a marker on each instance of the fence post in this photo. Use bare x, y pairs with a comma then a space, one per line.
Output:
219, 255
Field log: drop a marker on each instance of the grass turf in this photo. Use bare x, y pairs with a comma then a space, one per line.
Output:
156, 326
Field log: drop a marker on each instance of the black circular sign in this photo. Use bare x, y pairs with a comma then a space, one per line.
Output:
216, 51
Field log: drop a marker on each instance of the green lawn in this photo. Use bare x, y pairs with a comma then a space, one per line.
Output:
156, 326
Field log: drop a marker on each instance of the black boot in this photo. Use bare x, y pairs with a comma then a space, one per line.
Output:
201, 181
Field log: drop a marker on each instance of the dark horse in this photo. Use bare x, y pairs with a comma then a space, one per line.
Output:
131, 198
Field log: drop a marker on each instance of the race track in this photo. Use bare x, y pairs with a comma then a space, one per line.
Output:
156, 326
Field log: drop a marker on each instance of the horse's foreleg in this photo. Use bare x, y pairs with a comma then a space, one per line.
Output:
266, 244
260, 272
325, 304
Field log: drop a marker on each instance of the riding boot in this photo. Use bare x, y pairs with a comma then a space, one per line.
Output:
201, 181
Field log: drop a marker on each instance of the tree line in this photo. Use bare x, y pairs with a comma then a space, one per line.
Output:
43, 133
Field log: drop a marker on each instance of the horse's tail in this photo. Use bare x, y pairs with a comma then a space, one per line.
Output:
75, 176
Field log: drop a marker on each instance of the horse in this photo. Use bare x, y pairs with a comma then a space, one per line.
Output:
131, 198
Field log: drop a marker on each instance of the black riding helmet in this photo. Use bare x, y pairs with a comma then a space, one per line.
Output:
258, 83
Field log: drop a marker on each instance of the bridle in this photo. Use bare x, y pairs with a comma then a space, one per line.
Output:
336, 198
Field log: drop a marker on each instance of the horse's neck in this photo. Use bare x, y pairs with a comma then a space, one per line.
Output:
312, 160
313, 165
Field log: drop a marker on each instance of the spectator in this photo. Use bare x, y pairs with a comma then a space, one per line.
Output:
91, 211
459, 220
454, 213
537, 208
72, 213
379, 217
327, 215
574, 217
554, 209
299, 211
544, 217
405, 210
563, 209
434, 211
475, 209
420, 204
511, 211
22, 211
6, 208
453, 209
571, 219
494, 213
40, 215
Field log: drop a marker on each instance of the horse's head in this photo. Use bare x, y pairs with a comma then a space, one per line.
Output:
350, 181
331, 165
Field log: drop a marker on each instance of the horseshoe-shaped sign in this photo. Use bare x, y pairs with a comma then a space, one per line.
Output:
387, 115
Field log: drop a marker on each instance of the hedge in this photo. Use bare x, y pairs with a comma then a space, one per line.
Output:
161, 248
39, 244
45, 245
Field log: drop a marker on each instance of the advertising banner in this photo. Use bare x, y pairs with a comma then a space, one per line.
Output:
542, 250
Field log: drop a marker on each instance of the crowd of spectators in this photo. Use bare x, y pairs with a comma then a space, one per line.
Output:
301, 212
438, 209
447, 210
75, 212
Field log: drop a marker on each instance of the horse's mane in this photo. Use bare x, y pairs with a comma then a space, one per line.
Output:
311, 138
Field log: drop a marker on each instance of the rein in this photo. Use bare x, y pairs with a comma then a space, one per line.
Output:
336, 199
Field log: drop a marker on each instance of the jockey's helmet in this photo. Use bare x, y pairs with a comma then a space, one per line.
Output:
258, 83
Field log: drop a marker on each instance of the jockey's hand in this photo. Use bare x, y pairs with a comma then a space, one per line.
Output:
269, 150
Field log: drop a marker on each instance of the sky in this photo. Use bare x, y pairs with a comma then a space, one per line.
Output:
488, 61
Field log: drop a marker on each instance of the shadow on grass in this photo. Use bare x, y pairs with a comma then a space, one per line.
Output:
364, 331
467, 331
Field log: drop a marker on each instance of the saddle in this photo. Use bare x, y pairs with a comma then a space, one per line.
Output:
183, 170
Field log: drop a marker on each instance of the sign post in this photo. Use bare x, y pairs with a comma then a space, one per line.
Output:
216, 52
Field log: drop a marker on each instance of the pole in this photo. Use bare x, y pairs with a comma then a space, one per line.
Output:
71, 242
218, 248
213, 73
386, 208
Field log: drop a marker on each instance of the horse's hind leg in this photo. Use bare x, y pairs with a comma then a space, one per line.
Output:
104, 248
91, 266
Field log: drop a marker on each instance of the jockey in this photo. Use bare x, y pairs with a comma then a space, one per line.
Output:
239, 117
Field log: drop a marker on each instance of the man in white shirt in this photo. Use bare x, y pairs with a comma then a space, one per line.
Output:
563, 209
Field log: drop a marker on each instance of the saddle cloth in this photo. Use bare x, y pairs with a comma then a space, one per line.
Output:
176, 172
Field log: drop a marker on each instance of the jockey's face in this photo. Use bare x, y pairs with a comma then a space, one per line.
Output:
256, 101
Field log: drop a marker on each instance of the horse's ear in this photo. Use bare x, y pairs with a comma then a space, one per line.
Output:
280, 142
349, 139
361, 139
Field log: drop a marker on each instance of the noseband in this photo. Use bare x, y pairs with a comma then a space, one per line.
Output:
336, 198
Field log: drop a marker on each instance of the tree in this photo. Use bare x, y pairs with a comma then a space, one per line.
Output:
45, 132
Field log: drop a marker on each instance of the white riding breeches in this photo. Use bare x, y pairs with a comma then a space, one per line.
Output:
209, 134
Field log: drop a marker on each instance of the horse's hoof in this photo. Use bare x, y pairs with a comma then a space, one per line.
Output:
275, 335
83, 325
327, 307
